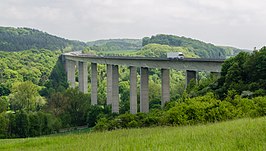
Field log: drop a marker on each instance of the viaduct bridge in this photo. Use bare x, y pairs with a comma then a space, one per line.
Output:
190, 65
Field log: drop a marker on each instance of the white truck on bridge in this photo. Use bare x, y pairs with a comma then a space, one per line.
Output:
175, 55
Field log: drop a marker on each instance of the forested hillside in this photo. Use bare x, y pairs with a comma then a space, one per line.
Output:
115, 44
202, 49
17, 39
30, 65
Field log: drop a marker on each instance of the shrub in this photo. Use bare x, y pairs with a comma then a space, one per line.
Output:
4, 122
34, 125
177, 115
260, 106
22, 124
102, 124
96, 112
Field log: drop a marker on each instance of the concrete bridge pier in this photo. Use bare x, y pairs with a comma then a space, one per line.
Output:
165, 86
71, 72
94, 85
115, 89
133, 90
109, 84
190, 74
83, 76
144, 89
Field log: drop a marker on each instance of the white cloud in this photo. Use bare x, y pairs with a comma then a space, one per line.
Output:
229, 22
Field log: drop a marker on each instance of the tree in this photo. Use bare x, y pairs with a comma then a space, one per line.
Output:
25, 96
3, 104
77, 107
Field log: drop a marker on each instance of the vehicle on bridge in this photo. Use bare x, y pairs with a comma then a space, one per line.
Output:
175, 55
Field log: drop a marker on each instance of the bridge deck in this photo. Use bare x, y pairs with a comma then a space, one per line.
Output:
197, 64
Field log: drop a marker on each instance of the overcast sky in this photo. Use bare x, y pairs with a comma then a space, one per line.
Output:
239, 23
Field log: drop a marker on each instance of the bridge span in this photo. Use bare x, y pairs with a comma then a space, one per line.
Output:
190, 65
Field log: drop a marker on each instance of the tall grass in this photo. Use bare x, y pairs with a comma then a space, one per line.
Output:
244, 134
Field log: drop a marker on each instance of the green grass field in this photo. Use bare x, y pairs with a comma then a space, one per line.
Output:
244, 134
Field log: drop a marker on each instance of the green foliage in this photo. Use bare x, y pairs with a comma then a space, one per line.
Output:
4, 104
160, 51
25, 96
18, 39
30, 65
204, 50
57, 81
70, 106
97, 112
202, 109
243, 73
4, 123
22, 124
87, 50
115, 44
34, 124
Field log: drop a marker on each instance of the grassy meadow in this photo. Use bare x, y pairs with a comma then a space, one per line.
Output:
243, 134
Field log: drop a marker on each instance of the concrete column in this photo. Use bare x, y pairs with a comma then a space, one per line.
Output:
83, 77
115, 89
215, 75
94, 83
71, 72
165, 86
109, 84
133, 90
190, 75
144, 89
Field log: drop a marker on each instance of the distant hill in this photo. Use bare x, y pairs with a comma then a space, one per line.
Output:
17, 39
202, 49
115, 44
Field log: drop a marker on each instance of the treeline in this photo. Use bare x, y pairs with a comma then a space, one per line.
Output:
150, 50
188, 111
115, 44
204, 50
245, 74
17, 39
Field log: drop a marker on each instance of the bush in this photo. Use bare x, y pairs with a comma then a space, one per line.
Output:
177, 115
96, 112
4, 123
22, 124
196, 110
34, 125
102, 124
48, 123
260, 105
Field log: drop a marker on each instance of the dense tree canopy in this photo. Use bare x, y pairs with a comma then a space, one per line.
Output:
245, 72
115, 44
25, 96
17, 39
204, 50
30, 65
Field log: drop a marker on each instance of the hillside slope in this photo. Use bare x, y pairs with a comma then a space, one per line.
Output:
200, 48
115, 44
17, 39
244, 134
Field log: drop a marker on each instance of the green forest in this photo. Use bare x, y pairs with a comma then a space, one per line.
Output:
35, 98
17, 39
